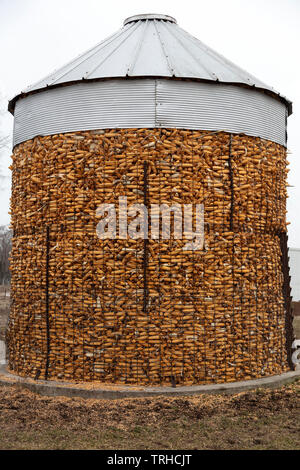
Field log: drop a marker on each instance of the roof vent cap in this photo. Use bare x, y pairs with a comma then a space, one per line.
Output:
149, 16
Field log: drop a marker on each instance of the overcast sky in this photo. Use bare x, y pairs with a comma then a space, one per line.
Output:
261, 36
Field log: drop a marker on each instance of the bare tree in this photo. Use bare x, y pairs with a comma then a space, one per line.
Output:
4, 138
5, 233
5, 247
4, 141
5, 147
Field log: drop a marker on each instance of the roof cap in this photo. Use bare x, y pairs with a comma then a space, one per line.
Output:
150, 16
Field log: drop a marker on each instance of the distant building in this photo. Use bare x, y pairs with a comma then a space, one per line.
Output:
295, 273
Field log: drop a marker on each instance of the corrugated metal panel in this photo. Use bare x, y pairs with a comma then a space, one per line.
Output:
193, 105
86, 106
150, 103
294, 255
150, 45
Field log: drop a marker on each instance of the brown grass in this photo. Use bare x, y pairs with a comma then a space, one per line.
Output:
262, 419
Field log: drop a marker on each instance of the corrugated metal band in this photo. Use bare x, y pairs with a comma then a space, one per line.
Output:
148, 103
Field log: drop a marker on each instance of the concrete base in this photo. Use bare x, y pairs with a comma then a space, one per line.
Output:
112, 391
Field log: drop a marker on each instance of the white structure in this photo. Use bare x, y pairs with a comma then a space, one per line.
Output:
294, 254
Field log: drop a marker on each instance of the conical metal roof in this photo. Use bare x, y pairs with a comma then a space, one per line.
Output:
150, 45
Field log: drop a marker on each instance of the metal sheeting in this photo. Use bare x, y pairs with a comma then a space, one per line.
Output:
148, 103
152, 46
224, 107
86, 106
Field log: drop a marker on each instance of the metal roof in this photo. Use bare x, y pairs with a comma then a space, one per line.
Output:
150, 45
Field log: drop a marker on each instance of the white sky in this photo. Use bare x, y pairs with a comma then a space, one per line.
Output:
261, 36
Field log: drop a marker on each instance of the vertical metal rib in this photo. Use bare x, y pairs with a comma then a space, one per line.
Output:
146, 254
47, 303
163, 49
287, 297
138, 48
231, 184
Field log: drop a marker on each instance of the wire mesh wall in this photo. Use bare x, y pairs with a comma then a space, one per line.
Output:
145, 311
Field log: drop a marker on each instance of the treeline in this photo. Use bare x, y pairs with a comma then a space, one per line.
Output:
5, 247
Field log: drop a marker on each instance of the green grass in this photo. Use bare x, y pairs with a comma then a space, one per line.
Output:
221, 433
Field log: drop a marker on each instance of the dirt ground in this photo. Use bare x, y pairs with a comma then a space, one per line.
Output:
262, 419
